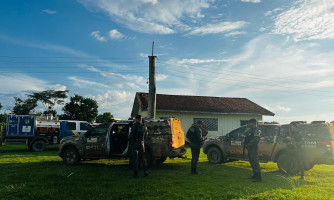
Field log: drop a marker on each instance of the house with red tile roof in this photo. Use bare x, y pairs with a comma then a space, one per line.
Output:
218, 114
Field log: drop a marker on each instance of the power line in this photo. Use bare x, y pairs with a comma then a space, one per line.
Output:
249, 74
35, 62
252, 82
67, 72
201, 80
69, 57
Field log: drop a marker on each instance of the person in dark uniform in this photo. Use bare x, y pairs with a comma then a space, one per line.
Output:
251, 143
137, 137
295, 146
196, 139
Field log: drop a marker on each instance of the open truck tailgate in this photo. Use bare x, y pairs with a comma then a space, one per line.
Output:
177, 133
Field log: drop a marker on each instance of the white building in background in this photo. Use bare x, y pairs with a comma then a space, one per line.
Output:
220, 115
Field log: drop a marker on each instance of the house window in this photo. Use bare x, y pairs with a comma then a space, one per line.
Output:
243, 122
210, 124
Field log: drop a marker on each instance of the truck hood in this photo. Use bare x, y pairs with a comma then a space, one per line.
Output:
72, 138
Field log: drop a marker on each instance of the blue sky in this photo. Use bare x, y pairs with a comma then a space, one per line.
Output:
278, 54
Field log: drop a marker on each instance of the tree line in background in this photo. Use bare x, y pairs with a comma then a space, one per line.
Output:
79, 107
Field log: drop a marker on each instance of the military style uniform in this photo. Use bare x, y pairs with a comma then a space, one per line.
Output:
137, 137
194, 135
295, 146
251, 143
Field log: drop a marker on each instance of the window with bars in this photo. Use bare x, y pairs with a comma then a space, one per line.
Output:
209, 124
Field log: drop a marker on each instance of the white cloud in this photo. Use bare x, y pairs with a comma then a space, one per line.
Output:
50, 12
197, 61
82, 83
13, 83
113, 97
96, 35
234, 33
151, 16
251, 1
278, 108
161, 77
222, 27
307, 20
274, 11
115, 34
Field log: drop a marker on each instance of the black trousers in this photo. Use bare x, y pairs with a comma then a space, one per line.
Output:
138, 156
253, 156
195, 151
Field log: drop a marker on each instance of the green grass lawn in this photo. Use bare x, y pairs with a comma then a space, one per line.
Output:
28, 175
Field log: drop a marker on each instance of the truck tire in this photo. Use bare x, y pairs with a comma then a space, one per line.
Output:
38, 146
215, 155
160, 160
70, 156
287, 164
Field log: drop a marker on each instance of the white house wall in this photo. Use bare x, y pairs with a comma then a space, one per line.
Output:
226, 122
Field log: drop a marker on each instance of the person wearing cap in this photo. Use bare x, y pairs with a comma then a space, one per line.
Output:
194, 135
251, 143
137, 137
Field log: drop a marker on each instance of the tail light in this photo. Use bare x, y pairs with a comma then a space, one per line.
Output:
170, 142
327, 144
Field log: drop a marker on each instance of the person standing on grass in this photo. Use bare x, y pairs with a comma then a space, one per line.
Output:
194, 135
251, 143
137, 137
295, 147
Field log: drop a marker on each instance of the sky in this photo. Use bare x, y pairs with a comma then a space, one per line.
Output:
277, 53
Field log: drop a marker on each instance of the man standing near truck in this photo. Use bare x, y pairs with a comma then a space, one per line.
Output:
196, 139
295, 146
137, 137
251, 143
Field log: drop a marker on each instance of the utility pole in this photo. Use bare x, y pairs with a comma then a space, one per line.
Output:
152, 88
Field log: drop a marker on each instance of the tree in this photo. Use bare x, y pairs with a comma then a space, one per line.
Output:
80, 108
0, 106
104, 118
24, 107
49, 99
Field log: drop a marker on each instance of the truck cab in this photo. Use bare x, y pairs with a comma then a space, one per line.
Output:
165, 139
71, 127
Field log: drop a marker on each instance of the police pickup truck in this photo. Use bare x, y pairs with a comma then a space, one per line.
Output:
317, 139
165, 139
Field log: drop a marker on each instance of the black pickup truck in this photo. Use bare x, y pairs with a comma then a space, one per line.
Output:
318, 139
165, 139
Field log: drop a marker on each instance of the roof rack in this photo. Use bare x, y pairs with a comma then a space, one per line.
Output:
318, 122
298, 122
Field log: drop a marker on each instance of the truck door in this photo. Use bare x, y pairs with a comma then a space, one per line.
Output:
96, 141
234, 142
67, 128
119, 138
269, 134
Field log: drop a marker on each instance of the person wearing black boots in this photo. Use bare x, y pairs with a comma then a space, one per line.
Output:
196, 139
251, 143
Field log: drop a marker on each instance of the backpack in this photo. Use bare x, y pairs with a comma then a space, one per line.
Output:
190, 133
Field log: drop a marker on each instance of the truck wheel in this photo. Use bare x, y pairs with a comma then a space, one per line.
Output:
70, 156
215, 155
38, 146
287, 164
160, 160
